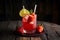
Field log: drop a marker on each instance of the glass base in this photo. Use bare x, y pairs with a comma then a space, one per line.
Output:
30, 32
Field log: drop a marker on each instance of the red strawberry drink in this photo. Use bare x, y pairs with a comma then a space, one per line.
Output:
29, 23
28, 20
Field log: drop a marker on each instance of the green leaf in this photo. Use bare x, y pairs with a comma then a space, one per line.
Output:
31, 11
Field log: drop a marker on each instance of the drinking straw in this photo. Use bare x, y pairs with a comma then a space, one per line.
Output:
35, 8
23, 7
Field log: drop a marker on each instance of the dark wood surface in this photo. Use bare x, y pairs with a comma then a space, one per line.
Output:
8, 28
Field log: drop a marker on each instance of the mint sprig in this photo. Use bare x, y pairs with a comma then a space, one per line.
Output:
31, 11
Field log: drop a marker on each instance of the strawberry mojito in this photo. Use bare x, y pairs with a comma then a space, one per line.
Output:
28, 20
29, 23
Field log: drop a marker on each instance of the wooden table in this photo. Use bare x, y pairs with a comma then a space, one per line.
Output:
8, 31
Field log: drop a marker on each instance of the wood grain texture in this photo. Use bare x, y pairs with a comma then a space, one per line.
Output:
52, 31
4, 25
4, 36
56, 28
12, 25
23, 38
36, 38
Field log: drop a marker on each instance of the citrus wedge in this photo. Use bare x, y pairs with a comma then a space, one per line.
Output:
24, 12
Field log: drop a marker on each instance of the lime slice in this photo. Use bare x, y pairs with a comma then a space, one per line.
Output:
24, 12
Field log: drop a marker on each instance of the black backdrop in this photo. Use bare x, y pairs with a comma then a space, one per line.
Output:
47, 10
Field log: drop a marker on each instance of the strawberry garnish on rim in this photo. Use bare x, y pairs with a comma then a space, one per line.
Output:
30, 19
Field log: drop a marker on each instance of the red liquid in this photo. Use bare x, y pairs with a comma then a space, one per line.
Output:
29, 23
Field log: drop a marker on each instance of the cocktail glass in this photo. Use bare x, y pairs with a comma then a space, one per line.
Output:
29, 23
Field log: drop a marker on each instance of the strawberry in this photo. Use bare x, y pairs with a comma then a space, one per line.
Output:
21, 30
33, 14
31, 18
40, 28
18, 29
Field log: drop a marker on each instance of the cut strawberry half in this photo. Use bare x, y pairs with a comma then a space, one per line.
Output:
31, 18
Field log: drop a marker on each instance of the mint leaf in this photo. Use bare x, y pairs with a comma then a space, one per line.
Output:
31, 11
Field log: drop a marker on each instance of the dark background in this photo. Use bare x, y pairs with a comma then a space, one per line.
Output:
47, 10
